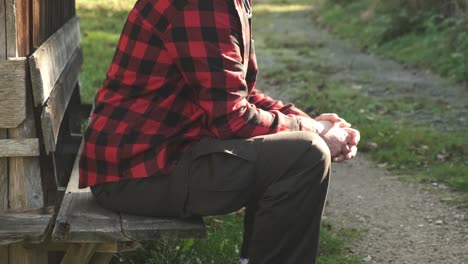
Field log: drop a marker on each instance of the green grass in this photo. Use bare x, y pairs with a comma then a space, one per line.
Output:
434, 42
101, 24
425, 39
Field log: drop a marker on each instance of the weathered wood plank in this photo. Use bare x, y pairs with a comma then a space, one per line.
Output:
28, 147
38, 22
101, 258
3, 177
50, 59
12, 93
27, 254
23, 9
113, 247
25, 183
141, 228
81, 219
11, 36
19, 227
59, 98
79, 253
4, 254
2, 31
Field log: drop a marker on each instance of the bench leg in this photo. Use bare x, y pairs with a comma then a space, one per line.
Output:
26, 254
101, 258
3, 254
79, 254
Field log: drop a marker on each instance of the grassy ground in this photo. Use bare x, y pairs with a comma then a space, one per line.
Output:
101, 22
431, 41
425, 37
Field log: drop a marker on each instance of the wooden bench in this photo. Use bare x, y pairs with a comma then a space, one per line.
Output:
41, 208
82, 221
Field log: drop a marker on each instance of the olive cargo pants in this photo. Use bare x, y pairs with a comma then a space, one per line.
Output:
281, 179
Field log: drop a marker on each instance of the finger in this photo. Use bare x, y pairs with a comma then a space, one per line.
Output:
352, 153
339, 158
354, 136
332, 117
345, 149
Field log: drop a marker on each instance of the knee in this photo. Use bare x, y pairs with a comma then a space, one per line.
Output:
318, 150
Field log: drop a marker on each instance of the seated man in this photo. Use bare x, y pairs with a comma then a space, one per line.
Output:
179, 129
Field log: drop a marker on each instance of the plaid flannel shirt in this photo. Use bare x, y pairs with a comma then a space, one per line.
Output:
183, 70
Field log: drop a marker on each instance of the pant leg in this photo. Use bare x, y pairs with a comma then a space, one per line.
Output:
294, 198
283, 186
281, 177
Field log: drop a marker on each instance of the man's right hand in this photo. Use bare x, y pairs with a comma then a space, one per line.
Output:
341, 140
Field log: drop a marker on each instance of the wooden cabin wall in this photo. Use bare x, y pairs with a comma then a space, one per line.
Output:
48, 16
24, 26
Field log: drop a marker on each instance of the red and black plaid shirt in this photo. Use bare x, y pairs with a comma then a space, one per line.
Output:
183, 70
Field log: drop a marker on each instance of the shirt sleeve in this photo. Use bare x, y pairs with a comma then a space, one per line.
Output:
265, 102
205, 43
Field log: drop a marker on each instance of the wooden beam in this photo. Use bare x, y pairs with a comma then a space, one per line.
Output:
25, 182
28, 147
58, 100
81, 219
11, 32
12, 93
27, 254
101, 258
79, 253
39, 25
4, 254
23, 9
2, 31
20, 227
3, 132
3, 177
50, 59
141, 228
111, 248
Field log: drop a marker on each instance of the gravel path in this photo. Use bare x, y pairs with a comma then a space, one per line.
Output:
400, 222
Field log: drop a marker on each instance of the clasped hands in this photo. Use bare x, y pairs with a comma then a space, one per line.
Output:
342, 140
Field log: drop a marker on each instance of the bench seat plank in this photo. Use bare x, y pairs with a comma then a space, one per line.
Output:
81, 219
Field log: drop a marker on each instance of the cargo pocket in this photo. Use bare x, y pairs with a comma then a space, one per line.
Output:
222, 176
223, 165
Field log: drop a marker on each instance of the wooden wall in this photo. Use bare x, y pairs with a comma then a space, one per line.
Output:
24, 26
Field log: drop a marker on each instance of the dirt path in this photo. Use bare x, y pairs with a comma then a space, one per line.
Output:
400, 222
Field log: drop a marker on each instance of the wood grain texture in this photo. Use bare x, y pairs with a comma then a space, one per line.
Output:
28, 147
2, 31
101, 258
49, 60
23, 227
79, 253
25, 183
3, 177
12, 93
59, 99
81, 219
27, 254
11, 36
23, 27
3, 254
3, 132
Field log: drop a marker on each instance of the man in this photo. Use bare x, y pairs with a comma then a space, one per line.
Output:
179, 129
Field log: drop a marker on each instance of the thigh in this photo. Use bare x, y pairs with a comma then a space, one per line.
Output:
159, 195
221, 175
225, 175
